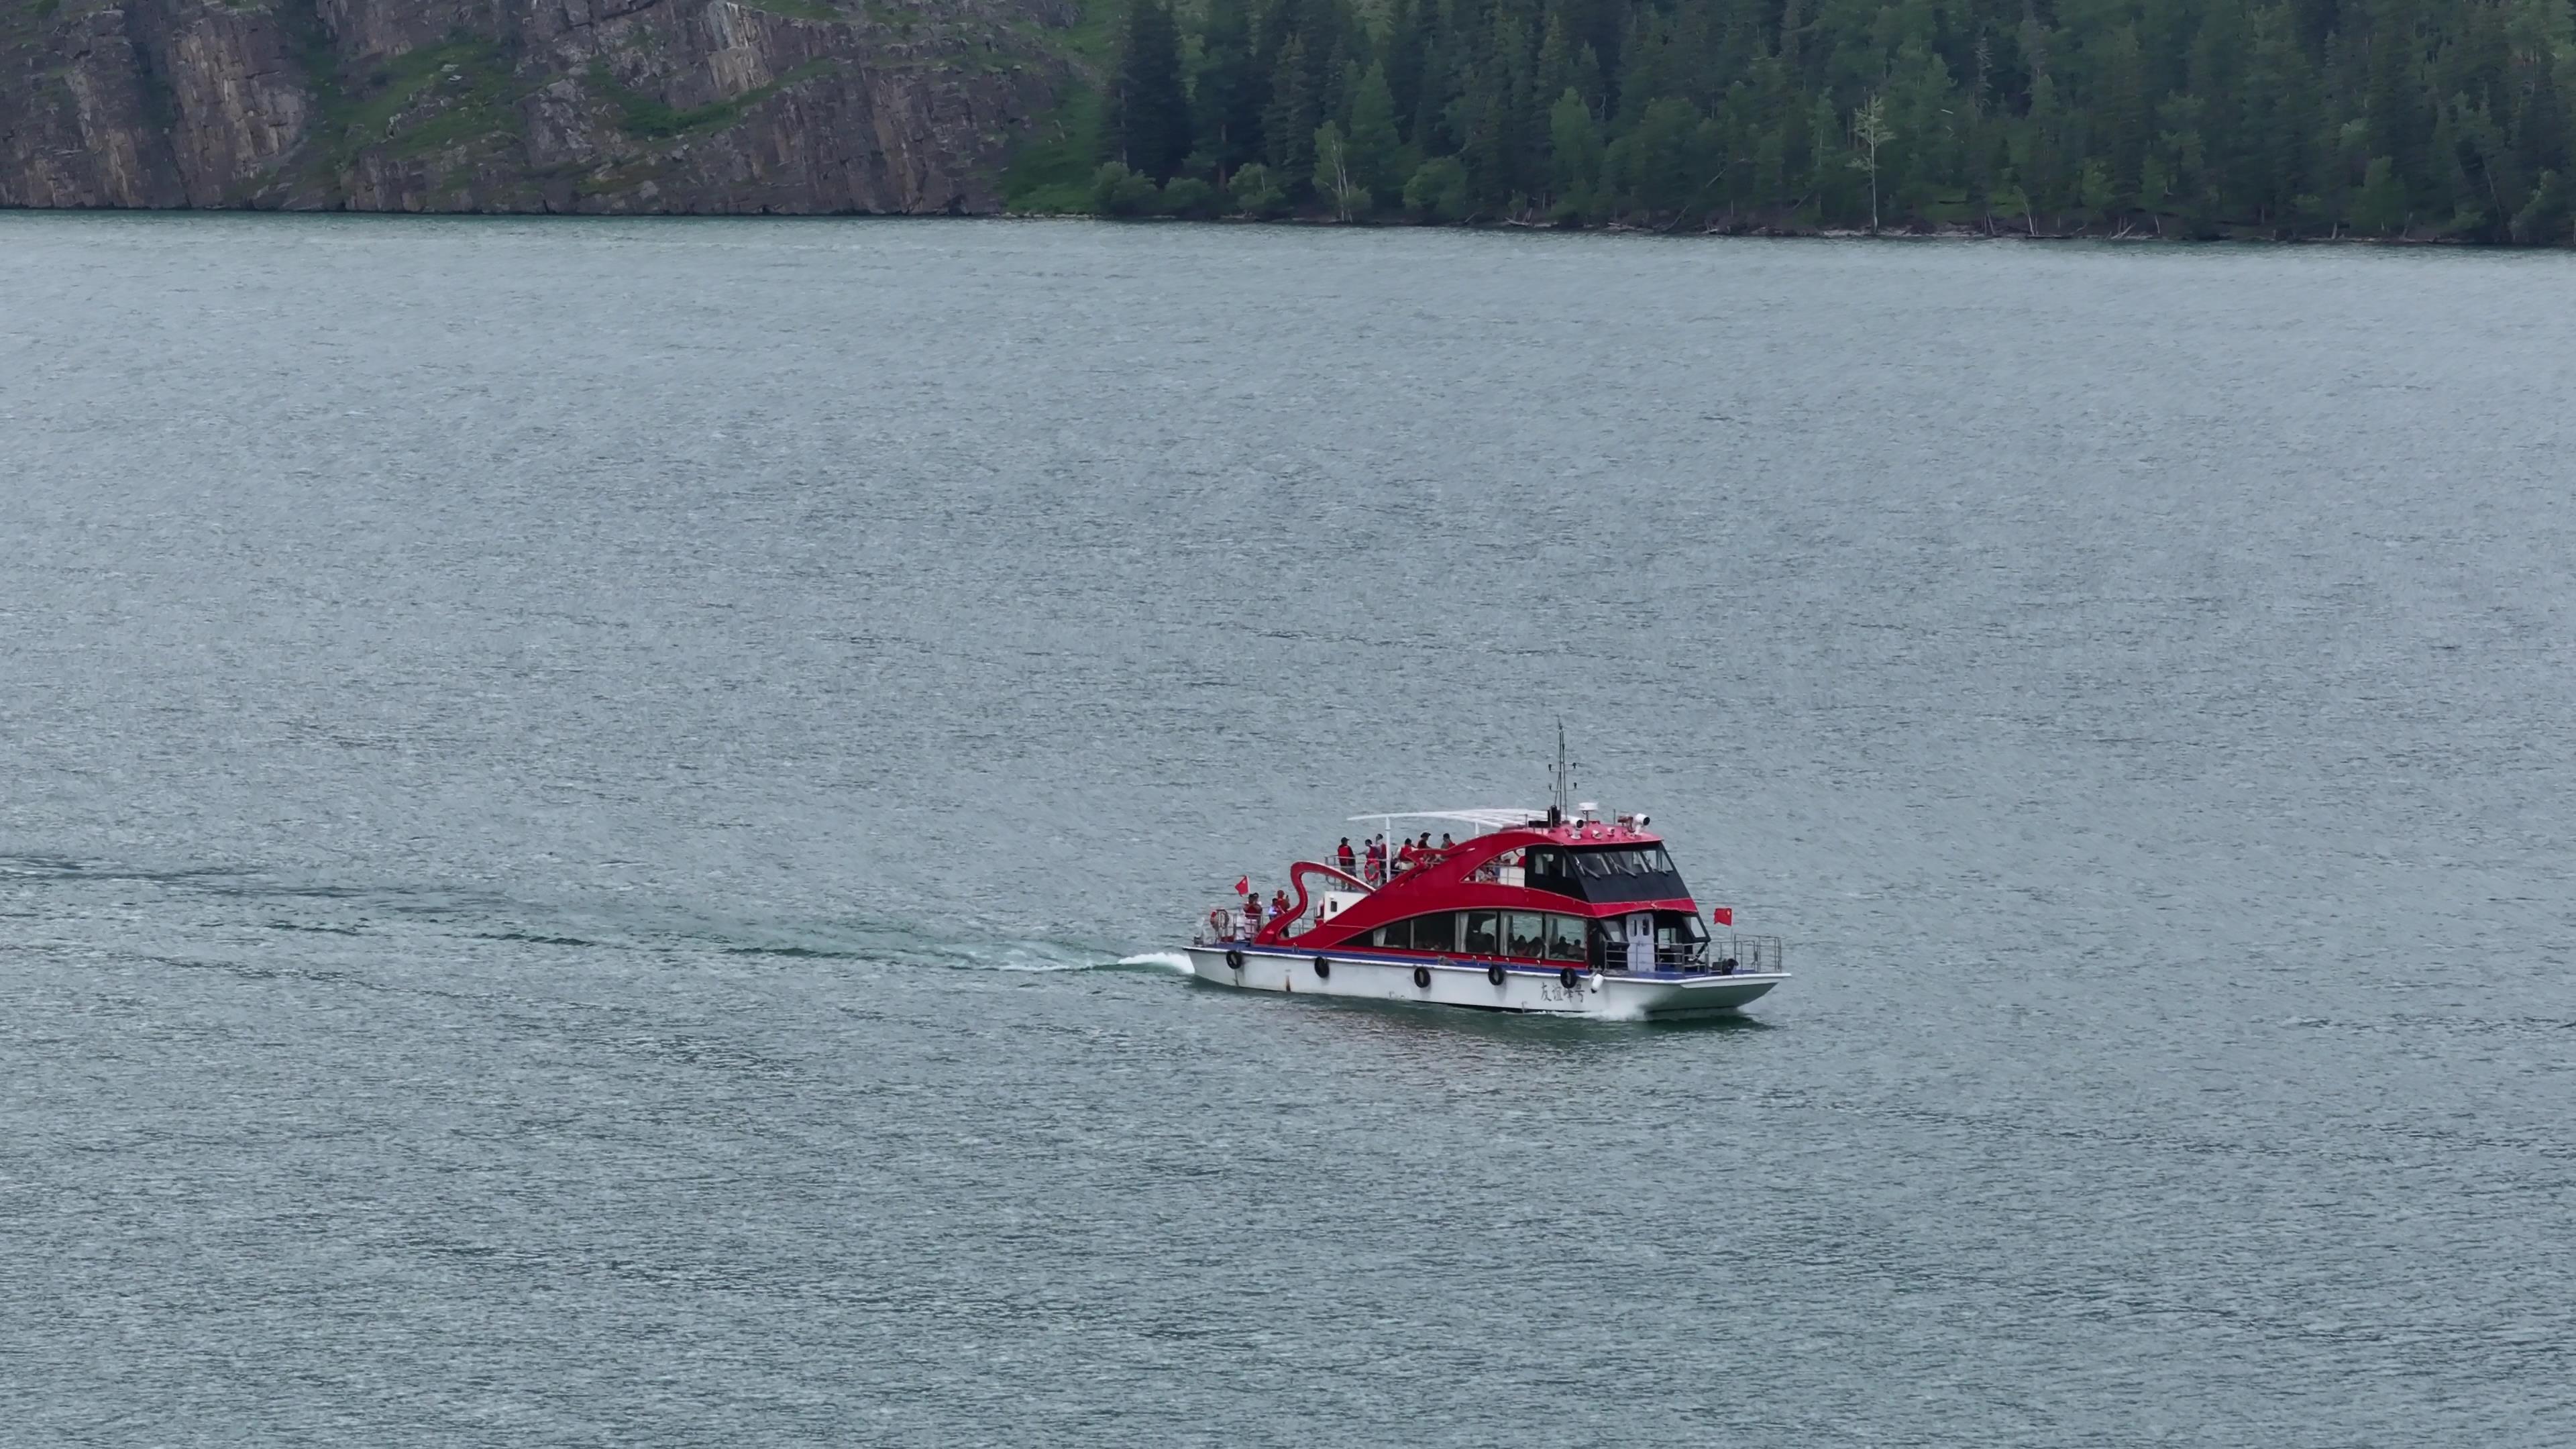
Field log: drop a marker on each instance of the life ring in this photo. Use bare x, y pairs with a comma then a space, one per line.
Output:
1234, 959
1494, 974
1565, 978
1422, 977
1323, 969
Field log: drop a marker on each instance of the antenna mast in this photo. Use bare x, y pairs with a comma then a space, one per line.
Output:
1563, 775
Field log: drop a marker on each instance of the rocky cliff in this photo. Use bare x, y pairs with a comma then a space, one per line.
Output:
694, 106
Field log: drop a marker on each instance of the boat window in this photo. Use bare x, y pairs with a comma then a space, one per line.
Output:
1547, 863
1398, 934
1435, 933
1594, 864
1658, 862
1565, 938
1525, 934
1484, 933
1678, 928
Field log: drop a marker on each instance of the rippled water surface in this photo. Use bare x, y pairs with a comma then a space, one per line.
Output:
571, 797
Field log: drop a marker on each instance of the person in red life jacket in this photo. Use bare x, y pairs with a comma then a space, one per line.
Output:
1279, 905
1348, 861
1376, 861
1252, 914
1404, 858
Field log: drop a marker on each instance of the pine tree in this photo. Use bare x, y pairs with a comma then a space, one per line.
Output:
1226, 103
1376, 151
1288, 123
1150, 115
1405, 54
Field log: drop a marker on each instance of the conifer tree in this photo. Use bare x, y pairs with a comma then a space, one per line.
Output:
1288, 123
1150, 111
1226, 102
1376, 150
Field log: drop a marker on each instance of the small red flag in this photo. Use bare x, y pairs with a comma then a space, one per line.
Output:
1243, 887
1723, 915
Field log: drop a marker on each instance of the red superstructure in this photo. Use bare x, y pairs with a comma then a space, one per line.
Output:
1536, 889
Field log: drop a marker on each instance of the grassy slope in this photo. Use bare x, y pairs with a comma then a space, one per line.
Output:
1050, 170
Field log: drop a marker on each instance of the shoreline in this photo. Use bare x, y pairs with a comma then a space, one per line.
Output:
1945, 231
1941, 231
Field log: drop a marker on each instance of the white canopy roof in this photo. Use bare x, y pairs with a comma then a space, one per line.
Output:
1492, 819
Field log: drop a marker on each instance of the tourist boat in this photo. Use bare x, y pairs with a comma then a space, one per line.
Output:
1563, 912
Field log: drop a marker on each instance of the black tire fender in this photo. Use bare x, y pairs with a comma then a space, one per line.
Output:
1323, 969
1234, 959
1565, 978
1494, 974
1422, 977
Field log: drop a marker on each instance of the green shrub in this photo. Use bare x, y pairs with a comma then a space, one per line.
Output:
2543, 219
1189, 196
1438, 190
1256, 193
1117, 191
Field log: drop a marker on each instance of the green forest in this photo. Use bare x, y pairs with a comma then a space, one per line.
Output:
2418, 119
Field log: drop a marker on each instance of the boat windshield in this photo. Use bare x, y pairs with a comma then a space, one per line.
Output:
1602, 864
1606, 874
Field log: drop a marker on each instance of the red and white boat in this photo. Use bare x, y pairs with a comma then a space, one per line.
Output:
1565, 912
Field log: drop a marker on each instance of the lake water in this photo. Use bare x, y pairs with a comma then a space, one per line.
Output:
573, 796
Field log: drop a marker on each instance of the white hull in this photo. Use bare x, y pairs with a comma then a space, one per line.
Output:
1610, 997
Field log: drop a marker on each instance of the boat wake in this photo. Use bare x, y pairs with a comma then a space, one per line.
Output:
394, 918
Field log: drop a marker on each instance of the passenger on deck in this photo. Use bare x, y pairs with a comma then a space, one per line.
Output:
1348, 862
1446, 844
1404, 858
1376, 861
1279, 905
1252, 914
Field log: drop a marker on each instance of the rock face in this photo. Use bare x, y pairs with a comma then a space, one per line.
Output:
701, 106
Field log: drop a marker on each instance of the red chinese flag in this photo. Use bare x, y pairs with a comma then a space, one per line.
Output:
1723, 915
1243, 887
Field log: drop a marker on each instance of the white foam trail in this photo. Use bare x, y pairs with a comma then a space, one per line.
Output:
1173, 959
1031, 956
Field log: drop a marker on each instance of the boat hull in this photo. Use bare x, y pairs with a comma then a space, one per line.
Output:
1533, 989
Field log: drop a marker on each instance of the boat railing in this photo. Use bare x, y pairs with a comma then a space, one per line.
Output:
1719, 955
1744, 955
1375, 874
